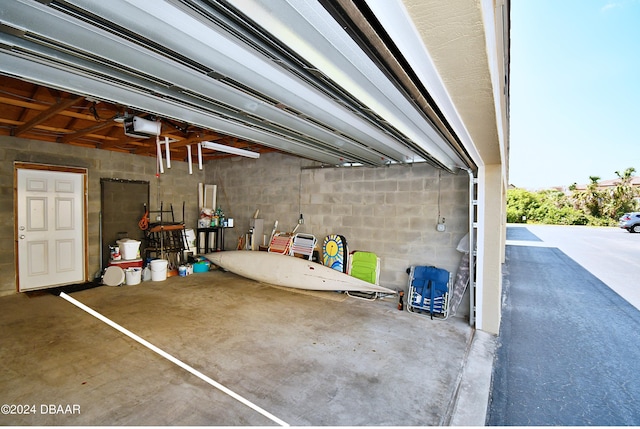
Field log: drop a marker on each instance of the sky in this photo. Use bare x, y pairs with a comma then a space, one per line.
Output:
575, 91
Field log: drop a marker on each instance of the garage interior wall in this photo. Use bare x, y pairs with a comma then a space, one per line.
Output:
392, 211
176, 186
121, 203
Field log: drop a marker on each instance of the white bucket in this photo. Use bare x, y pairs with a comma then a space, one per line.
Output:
129, 248
113, 276
133, 276
159, 270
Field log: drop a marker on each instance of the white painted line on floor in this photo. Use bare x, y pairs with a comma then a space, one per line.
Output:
173, 359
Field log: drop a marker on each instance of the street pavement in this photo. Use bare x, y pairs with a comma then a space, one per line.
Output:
610, 254
569, 345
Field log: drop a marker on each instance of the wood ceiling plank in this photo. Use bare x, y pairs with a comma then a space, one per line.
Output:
10, 122
80, 133
196, 140
21, 103
49, 114
25, 111
46, 114
7, 101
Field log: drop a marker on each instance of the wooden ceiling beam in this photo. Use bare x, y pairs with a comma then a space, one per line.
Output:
80, 133
41, 113
40, 107
46, 114
19, 103
64, 131
25, 111
196, 140
72, 123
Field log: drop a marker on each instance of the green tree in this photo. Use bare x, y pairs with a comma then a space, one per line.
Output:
622, 198
520, 203
593, 197
591, 200
547, 207
556, 209
591, 206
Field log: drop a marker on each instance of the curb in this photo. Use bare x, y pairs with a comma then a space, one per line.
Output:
471, 401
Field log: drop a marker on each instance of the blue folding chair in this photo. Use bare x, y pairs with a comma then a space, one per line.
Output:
429, 291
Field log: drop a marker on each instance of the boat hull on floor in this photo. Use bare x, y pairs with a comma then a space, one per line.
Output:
290, 271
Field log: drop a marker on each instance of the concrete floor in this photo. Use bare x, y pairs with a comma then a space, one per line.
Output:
308, 358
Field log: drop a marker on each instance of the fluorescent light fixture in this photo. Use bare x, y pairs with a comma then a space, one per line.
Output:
230, 149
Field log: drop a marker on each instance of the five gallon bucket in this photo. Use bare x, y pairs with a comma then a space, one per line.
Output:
159, 269
133, 276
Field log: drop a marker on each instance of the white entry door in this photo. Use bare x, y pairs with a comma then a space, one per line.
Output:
50, 228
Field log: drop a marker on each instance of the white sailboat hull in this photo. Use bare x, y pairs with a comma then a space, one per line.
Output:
290, 271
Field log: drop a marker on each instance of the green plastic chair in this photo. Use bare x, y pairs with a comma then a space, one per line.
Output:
365, 266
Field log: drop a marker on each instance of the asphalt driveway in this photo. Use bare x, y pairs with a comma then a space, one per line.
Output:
610, 254
568, 348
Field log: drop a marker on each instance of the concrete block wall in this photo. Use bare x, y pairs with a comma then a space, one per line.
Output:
174, 186
392, 211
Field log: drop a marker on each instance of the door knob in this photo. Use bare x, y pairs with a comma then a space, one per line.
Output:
21, 236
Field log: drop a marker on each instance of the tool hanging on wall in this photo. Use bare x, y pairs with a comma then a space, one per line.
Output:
143, 224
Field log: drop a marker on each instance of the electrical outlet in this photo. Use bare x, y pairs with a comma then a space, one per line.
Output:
441, 227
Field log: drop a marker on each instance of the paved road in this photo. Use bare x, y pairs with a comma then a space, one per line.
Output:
611, 254
569, 345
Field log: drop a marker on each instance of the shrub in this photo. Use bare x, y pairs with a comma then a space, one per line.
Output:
548, 207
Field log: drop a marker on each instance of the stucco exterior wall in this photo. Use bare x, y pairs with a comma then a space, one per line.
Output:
491, 238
